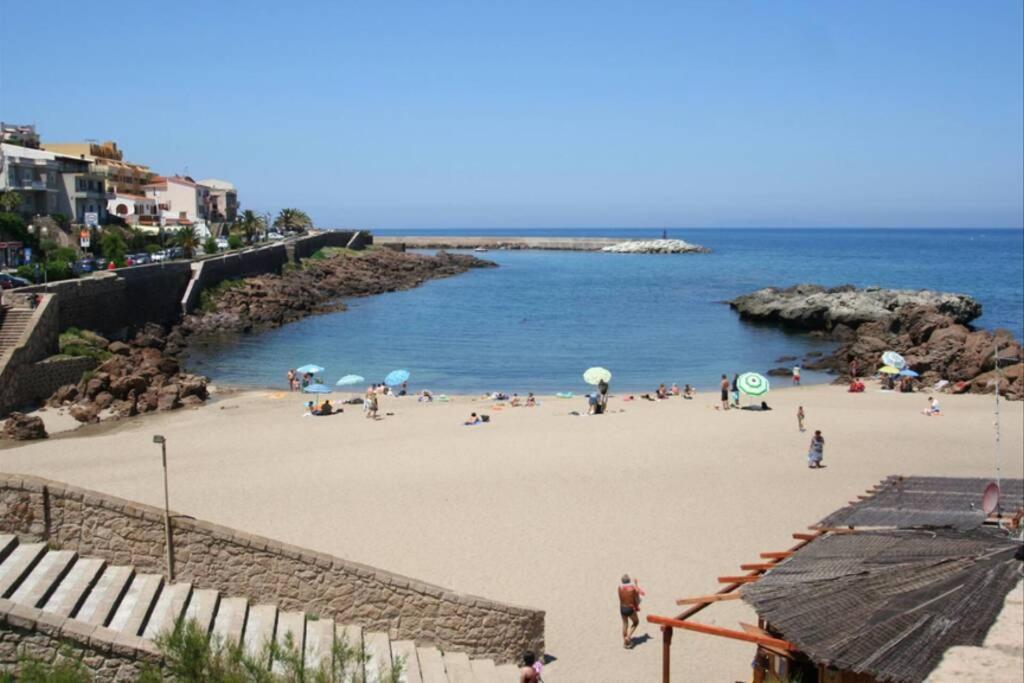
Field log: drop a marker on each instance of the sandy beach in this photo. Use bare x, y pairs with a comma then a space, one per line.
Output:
539, 507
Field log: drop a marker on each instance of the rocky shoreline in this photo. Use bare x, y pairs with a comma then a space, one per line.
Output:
144, 374
930, 329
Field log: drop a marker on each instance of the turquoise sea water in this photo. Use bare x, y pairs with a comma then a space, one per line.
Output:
541, 318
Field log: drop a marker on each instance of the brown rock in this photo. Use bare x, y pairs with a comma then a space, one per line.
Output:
99, 382
149, 401
103, 400
167, 397
85, 412
122, 386
119, 348
21, 427
66, 394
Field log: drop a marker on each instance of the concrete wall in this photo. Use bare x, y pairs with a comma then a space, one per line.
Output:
307, 246
264, 570
39, 340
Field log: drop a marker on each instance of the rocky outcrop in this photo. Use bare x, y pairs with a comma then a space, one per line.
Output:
656, 247
140, 376
813, 307
21, 427
318, 286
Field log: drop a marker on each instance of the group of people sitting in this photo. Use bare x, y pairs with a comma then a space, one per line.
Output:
323, 409
856, 386
662, 392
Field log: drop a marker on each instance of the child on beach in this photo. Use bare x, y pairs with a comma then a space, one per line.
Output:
800, 418
796, 375
933, 408
817, 450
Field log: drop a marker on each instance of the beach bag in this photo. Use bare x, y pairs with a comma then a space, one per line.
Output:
485, 418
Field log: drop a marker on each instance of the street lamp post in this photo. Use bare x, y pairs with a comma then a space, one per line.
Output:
167, 508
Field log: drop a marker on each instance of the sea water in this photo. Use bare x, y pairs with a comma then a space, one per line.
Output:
540, 319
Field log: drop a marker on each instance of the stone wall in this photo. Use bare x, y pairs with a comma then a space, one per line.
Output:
264, 570
211, 271
307, 246
29, 633
48, 375
361, 240
38, 341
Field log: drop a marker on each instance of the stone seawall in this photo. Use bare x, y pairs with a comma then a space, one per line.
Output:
38, 341
264, 570
246, 263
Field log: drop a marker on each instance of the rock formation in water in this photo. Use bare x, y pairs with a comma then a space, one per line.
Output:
930, 329
318, 286
813, 307
656, 247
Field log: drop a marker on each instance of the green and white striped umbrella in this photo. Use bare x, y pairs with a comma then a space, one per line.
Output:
752, 384
595, 375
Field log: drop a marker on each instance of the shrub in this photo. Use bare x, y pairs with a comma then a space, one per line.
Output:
152, 248
210, 245
58, 270
113, 246
234, 242
66, 254
208, 297
30, 670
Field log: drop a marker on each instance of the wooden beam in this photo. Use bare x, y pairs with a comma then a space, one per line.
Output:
779, 555
723, 632
749, 578
805, 537
708, 599
758, 566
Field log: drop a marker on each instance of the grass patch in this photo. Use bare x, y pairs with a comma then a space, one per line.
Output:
72, 342
208, 297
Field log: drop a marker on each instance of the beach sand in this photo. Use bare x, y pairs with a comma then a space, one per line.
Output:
538, 507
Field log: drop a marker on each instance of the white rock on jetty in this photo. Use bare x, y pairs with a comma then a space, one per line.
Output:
656, 247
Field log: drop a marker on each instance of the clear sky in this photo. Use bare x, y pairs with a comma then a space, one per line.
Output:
547, 114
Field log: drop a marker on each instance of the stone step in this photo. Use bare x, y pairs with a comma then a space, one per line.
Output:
73, 589
105, 596
259, 632
431, 665
352, 637
405, 650
319, 647
44, 579
18, 566
456, 664
230, 620
378, 656
290, 624
137, 604
508, 673
168, 609
485, 671
201, 608
8, 542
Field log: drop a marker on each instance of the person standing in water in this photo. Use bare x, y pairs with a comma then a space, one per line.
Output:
629, 608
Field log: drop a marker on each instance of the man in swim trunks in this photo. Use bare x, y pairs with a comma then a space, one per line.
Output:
629, 606
725, 392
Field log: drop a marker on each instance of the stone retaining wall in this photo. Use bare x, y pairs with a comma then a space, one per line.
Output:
264, 570
49, 375
29, 633
38, 341
212, 271
307, 246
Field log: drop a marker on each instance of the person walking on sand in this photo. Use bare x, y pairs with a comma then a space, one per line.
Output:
629, 608
800, 418
796, 375
817, 450
725, 392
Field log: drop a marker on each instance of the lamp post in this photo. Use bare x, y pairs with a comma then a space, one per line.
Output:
167, 508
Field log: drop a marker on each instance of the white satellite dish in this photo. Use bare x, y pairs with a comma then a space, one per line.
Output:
990, 499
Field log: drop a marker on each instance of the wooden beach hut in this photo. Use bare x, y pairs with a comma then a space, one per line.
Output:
879, 590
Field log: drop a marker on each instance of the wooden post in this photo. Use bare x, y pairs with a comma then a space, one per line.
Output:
666, 652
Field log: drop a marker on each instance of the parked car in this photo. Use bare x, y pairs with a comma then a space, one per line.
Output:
158, 256
83, 266
99, 263
222, 243
275, 236
8, 281
175, 252
139, 259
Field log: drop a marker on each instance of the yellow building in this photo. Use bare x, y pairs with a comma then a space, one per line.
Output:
120, 176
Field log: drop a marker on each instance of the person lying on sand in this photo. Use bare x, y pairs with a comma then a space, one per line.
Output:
474, 419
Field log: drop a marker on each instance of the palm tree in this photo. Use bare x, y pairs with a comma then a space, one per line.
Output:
188, 239
251, 225
292, 220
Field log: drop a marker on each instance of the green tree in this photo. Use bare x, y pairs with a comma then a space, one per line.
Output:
112, 245
251, 224
138, 240
188, 239
10, 201
210, 245
293, 220
12, 227
234, 242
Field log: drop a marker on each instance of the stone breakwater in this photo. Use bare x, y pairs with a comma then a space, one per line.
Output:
540, 244
930, 329
318, 286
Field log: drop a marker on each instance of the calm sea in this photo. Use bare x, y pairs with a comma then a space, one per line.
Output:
537, 322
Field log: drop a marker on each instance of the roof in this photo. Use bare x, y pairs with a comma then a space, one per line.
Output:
26, 152
907, 502
889, 603
217, 184
159, 180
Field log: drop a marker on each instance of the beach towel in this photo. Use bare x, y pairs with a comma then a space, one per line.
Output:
564, 394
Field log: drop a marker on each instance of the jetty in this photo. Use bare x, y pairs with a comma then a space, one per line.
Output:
499, 243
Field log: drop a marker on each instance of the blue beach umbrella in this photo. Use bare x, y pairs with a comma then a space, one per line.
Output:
907, 372
349, 380
396, 377
311, 369
317, 389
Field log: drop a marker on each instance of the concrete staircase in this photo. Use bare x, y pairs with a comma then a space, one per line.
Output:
124, 600
13, 322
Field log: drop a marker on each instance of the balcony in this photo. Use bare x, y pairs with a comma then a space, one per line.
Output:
32, 185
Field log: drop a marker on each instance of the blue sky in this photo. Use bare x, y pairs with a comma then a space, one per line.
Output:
548, 114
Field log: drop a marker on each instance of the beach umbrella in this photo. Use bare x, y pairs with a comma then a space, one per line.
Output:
889, 370
907, 372
595, 375
311, 369
396, 377
894, 359
752, 384
349, 380
316, 389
